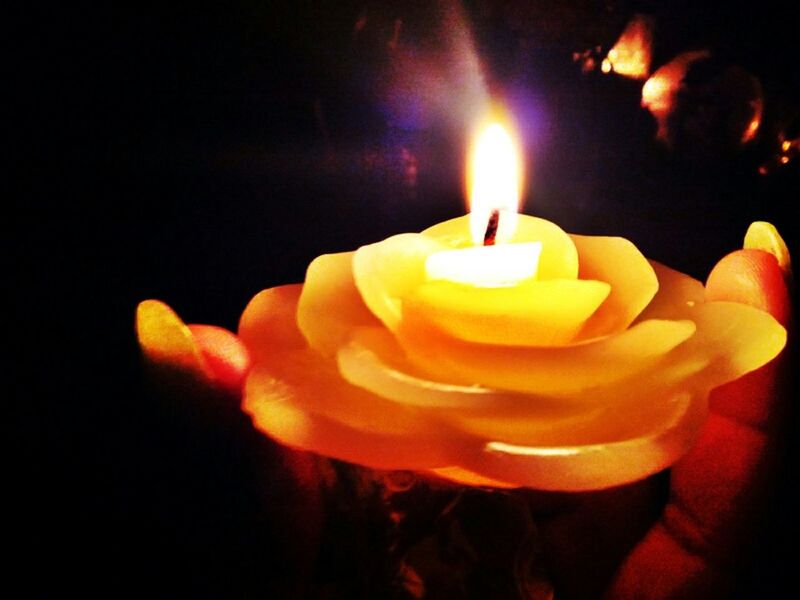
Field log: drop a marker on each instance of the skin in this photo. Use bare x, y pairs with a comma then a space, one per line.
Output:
682, 535
719, 490
715, 498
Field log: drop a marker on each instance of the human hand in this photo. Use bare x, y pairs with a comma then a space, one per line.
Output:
684, 537
688, 537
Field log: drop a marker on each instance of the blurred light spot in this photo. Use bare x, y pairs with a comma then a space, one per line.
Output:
587, 59
361, 22
395, 41
788, 152
659, 91
410, 167
631, 55
753, 125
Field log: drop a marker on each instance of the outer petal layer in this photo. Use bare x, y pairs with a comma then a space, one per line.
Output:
298, 396
595, 466
633, 282
330, 290
559, 370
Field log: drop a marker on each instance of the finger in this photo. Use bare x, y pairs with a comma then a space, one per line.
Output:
225, 355
194, 356
721, 485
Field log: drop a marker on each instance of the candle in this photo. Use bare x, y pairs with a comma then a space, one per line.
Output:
575, 364
548, 360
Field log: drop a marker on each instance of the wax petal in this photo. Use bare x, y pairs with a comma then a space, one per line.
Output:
320, 389
677, 295
330, 305
532, 313
268, 322
559, 258
466, 477
558, 370
166, 340
300, 398
374, 361
633, 281
369, 361
557, 425
593, 466
734, 338
387, 271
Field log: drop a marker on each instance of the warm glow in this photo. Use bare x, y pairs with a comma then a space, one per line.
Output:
752, 127
485, 266
655, 92
631, 55
660, 90
494, 176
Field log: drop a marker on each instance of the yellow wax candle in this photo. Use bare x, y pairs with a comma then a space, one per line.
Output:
575, 364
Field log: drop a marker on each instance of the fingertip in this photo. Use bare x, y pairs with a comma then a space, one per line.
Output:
225, 354
762, 235
166, 341
204, 356
754, 277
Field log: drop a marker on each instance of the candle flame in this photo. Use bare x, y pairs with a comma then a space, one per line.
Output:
494, 181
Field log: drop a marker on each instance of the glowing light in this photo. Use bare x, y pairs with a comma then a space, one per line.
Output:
654, 92
658, 92
485, 266
631, 55
494, 176
494, 179
752, 128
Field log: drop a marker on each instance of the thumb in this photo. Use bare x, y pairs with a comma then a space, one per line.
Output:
720, 488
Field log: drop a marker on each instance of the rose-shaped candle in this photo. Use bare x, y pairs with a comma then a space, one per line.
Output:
549, 360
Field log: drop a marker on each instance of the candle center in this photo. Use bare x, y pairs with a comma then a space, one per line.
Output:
503, 265
494, 187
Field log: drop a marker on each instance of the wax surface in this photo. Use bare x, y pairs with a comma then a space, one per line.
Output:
594, 374
532, 313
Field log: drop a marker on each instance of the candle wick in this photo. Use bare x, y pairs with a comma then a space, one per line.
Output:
491, 228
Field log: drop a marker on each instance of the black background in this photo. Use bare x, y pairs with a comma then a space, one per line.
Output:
200, 155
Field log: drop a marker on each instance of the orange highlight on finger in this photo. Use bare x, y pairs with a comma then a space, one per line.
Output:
208, 355
752, 277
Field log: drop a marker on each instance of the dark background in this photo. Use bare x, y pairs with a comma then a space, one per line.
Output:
200, 155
